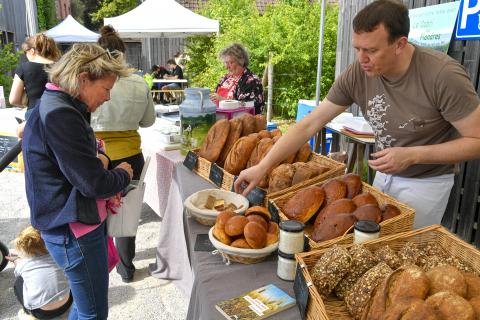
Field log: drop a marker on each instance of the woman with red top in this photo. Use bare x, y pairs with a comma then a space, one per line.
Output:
239, 83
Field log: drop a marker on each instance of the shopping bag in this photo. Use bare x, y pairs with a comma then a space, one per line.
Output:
113, 257
123, 221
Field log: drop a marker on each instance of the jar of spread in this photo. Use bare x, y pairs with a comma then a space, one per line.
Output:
286, 266
365, 231
291, 237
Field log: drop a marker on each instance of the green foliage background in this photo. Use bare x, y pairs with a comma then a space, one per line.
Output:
8, 61
112, 8
46, 14
289, 30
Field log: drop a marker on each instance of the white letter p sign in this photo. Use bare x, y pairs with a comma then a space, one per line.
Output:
467, 11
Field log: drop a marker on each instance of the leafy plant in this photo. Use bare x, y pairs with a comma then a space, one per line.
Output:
46, 14
289, 30
8, 61
112, 8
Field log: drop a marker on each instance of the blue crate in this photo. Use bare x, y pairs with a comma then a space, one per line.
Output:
304, 107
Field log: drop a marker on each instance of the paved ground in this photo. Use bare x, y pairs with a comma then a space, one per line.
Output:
145, 298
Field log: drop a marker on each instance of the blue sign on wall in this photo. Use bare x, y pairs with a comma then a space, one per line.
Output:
468, 24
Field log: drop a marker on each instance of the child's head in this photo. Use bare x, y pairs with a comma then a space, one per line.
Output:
29, 242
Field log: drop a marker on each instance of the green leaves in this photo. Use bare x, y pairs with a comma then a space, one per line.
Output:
288, 29
8, 61
46, 14
112, 8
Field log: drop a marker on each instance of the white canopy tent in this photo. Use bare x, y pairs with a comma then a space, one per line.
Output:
70, 30
161, 18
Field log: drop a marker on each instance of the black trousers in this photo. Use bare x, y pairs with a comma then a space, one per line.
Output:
39, 313
126, 245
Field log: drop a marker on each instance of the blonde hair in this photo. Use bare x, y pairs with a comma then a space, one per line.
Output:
43, 45
89, 58
236, 51
29, 242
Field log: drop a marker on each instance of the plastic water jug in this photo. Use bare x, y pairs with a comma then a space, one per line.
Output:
197, 115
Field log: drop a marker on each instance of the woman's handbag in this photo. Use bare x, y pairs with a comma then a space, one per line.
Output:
124, 222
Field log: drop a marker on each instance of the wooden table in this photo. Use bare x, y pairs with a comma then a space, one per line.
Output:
357, 154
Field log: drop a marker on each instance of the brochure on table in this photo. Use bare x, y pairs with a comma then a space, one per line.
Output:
346, 120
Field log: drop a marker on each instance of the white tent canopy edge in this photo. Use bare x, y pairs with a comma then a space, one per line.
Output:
70, 30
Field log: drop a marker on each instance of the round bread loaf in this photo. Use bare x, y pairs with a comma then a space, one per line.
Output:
302, 172
255, 235
354, 184
475, 302
281, 178
215, 140
273, 228
364, 198
336, 207
370, 212
234, 226
390, 257
447, 278
261, 211
334, 190
271, 238
410, 309
258, 219
473, 285
334, 226
390, 211
451, 306
304, 204
406, 282
223, 217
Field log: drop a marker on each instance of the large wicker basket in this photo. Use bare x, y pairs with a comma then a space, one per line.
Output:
400, 223
335, 169
334, 308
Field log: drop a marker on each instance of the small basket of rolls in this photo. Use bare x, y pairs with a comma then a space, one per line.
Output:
246, 239
205, 205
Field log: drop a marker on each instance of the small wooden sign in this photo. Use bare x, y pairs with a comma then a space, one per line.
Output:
216, 175
191, 160
300, 288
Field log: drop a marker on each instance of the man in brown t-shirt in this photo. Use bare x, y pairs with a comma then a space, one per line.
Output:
420, 103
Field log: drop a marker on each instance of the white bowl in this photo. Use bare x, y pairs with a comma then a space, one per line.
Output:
194, 204
229, 104
241, 255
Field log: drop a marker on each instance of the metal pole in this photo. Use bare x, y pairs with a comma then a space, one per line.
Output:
320, 53
270, 88
319, 68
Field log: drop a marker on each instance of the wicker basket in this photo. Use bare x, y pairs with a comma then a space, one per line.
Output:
334, 308
336, 169
400, 223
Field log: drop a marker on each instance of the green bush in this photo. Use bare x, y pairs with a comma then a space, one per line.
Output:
289, 30
8, 62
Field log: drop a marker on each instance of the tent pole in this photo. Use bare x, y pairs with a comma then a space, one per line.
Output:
319, 66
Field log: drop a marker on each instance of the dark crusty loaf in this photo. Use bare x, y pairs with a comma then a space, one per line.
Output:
215, 140
281, 178
303, 205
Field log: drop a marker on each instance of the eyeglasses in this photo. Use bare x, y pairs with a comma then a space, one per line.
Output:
110, 54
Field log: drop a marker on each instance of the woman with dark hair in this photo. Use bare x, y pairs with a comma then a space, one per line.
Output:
239, 83
116, 123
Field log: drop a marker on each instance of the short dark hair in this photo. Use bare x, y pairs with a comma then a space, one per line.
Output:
392, 14
171, 61
110, 40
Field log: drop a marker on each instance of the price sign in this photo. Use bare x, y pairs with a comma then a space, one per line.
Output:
300, 288
216, 175
274, 211
202, 243
256, 196
190, 160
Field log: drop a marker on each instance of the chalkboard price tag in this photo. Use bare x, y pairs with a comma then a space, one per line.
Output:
216, 175
190, 160
202, 243
274, 211
306, 244
300, 288
256, 196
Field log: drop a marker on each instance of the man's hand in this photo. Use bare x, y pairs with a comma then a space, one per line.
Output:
392, 160
127, 167
250, 176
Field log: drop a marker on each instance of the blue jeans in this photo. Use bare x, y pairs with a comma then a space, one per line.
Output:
84, 261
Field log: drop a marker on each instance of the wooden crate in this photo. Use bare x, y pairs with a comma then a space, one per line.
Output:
336, 169
334, 308
400, 223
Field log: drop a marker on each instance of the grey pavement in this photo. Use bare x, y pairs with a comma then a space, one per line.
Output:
144, 298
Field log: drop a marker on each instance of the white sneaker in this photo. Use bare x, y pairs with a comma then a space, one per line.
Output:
22, 315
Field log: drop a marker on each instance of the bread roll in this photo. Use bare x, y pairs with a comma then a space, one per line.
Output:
304, 204
215, 140
255, 235
332, 266
317, 168
473, 285
364, 198
332, 227
234, 226
451, 306
258, 219
281, 178
239, 154
406, 282
234, 134
259, 210
264, 134
410, 253
475, 302
390, 257
334, 190
248, 124
240, 243
410, 309
261, 149
303, 153
260, 122
221, 236
276, 133
354, 184
302, 172
223, 217
447, 278
265, 148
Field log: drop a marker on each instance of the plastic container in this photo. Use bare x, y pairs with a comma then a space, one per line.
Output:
304, 107
234, 113
365, 231
286, 266
197, 115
